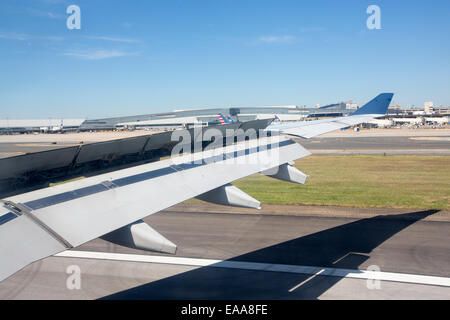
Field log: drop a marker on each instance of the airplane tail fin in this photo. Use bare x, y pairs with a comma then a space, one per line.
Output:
378, 105
222, 119
229, 119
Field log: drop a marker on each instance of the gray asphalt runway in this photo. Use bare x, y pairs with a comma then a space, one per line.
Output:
402, 243
377, 145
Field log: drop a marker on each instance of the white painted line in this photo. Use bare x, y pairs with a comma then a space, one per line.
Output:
333, 272
305, 281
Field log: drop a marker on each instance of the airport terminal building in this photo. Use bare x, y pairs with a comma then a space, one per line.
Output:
206, 117
186, 118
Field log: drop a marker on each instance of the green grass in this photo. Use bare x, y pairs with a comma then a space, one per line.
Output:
396, 181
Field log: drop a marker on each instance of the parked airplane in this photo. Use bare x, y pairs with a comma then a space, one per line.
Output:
44, 222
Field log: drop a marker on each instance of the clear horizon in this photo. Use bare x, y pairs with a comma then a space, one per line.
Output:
150, 57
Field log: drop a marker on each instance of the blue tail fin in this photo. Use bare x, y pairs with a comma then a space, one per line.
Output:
379, 105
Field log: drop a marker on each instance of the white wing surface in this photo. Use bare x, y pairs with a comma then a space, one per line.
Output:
42, 223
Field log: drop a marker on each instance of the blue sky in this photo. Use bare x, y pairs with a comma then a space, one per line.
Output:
133, 57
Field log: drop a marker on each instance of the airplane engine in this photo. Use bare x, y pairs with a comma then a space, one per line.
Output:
140, 235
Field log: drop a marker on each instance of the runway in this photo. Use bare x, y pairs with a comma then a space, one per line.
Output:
263, 256
321, 145
377, 145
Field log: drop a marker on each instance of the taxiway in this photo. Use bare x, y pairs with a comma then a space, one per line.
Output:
270, 255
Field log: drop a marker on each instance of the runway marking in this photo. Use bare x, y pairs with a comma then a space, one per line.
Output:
350, 253
332, 272
430, 138
387, 151
307, 280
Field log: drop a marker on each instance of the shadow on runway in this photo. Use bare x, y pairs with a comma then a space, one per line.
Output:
347, 246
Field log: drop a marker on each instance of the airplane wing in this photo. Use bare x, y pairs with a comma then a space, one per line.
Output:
42, 223
308, 129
